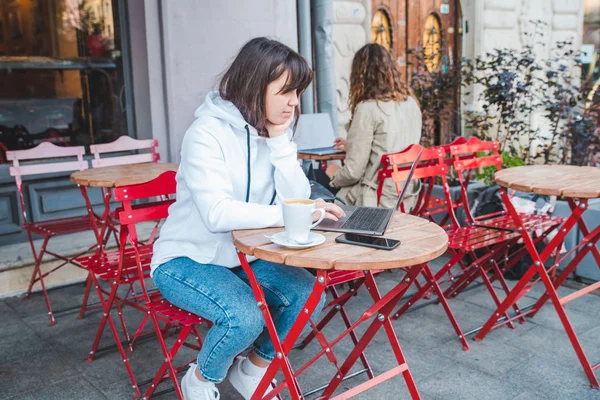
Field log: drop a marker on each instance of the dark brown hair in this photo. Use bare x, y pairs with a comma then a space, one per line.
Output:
260, 62
374, 76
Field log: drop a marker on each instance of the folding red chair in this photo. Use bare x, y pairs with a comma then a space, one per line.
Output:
122, 144
471, 156
431, 165
156, 308
47, 229
464, 241
122, 268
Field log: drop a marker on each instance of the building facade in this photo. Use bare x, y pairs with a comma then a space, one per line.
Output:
141, 68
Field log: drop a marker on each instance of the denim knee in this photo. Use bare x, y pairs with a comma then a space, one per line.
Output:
247, 325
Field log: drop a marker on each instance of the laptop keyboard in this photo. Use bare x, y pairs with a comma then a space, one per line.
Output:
366, 219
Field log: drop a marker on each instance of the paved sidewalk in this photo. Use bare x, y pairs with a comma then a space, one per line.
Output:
533, 361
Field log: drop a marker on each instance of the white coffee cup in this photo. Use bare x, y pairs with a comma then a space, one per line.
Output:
298, 218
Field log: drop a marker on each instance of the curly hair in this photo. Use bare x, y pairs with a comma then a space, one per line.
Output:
374, 76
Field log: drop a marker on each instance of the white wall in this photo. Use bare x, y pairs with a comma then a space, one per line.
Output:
351, 31
198, 41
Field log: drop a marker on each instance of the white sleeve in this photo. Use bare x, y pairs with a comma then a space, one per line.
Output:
205, 174
290, 181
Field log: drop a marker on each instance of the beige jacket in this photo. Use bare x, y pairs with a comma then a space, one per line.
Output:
377, 128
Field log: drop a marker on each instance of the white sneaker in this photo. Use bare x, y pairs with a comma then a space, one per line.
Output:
192, 391
245, 384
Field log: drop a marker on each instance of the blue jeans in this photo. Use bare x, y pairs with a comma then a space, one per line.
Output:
224, 296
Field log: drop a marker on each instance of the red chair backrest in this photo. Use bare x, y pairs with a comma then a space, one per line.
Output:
163, 186
431, 167
470, 156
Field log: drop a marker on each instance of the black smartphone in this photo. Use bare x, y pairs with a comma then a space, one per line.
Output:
368, 241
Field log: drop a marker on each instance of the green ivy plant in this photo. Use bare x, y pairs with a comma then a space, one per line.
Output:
486, 175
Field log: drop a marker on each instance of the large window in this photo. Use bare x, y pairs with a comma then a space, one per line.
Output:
381, 31
432, 42
61, 73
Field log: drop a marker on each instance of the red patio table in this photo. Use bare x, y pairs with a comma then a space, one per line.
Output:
421, 241
576, 185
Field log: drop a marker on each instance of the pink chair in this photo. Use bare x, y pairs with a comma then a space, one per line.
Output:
48, 228
124, 143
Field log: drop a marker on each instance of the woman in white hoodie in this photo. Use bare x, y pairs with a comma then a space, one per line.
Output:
237, 165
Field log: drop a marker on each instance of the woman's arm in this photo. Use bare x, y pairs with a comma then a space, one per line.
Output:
358, 148
205, 174
290, 181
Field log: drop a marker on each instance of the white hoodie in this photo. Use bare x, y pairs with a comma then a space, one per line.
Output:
212, 184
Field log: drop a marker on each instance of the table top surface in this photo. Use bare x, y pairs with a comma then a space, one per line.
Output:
327, 157
121, 175
552, 180
421, 241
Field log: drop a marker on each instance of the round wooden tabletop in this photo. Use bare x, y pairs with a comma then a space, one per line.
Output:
552, 180
421, 241
121, 175
327, 157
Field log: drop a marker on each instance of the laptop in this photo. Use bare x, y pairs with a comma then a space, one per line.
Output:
367, 220
315, 135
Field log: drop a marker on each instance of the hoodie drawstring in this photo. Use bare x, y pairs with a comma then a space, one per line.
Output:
250, 172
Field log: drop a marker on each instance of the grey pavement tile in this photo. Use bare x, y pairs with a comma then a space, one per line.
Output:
35, 372
490, 358
581, 321
528, 396
463, 382
542, 377
60, 299
554, 345
76, 388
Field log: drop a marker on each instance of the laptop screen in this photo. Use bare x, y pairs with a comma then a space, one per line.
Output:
314, 131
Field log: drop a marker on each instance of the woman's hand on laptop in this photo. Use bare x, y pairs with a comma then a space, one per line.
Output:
332, 211
339, 144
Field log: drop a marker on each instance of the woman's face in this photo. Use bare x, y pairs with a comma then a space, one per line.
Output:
280, 106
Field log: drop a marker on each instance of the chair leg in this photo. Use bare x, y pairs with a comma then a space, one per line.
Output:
37, 275
86, 295
440, 294
353, 337
168, 360
492, 292
106, 306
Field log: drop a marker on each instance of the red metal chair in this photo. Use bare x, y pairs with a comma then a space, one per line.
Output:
431, 165
464, 241
157, 309
47, 229
130, 263
122, 144
469, 157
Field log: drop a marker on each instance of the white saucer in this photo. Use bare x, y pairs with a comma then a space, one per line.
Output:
281, 239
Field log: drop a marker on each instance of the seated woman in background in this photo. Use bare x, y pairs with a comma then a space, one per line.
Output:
386, 118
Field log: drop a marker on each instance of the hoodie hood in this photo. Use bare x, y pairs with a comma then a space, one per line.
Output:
214, 106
